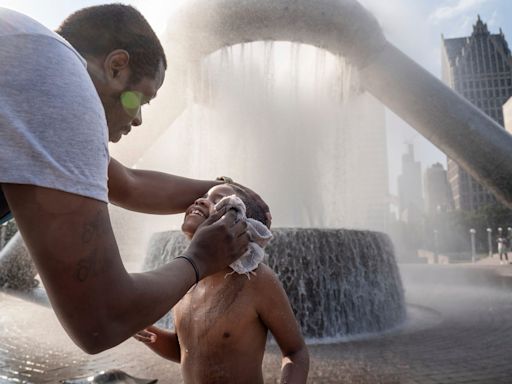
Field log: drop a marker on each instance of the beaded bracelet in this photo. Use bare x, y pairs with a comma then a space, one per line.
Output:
192, 263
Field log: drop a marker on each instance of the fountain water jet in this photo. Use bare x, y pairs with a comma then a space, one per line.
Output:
290, 121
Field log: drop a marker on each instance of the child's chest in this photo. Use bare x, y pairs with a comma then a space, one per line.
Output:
219, 315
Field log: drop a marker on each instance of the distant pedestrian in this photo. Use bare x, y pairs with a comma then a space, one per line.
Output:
503, 249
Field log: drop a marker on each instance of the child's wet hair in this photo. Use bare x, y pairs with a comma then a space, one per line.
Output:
253, 209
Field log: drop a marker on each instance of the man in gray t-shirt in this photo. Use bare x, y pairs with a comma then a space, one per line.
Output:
62, 97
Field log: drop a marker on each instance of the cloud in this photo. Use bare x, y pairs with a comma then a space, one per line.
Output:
493, 22
463, 26
447, 12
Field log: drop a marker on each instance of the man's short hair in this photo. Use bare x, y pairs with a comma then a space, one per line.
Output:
101, 29
253, 209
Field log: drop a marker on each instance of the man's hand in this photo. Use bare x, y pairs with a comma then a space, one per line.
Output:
218, 242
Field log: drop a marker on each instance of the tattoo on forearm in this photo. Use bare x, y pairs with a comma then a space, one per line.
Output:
94, 226
86, 266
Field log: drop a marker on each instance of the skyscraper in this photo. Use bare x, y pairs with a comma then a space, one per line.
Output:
410, 194
438, 195
479, 68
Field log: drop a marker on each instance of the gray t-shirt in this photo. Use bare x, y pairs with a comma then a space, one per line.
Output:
53, 130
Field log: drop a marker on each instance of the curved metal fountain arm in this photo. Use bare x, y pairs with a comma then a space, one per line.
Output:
459, 129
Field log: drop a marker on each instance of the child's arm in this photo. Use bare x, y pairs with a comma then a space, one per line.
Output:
276, 313
162, 342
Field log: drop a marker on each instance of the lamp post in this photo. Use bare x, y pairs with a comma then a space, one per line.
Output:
436, 244
473, 251
489, 240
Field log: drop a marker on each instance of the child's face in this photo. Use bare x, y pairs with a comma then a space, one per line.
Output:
202, 208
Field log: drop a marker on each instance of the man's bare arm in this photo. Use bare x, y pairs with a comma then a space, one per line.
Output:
276, 313
157, 192
153, 192
98, 303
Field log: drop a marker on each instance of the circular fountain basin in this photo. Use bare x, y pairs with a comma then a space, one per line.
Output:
340, 282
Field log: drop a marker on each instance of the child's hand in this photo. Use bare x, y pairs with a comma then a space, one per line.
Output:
145, 336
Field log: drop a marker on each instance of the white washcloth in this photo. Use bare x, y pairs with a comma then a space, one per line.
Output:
259, 236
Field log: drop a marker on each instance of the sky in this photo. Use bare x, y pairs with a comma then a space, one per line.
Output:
413, 26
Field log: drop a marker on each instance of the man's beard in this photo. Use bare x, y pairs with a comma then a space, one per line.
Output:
111, 106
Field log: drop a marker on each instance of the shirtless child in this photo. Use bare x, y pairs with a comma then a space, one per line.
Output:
221, 324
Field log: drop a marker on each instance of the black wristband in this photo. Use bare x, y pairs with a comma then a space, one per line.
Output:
192, 263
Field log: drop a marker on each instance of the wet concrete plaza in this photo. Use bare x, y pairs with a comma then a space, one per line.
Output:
459, 331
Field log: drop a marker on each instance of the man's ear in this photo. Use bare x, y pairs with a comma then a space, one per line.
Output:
117, 67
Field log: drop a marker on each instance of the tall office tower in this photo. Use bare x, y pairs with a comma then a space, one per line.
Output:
479, 68
438, 194
410, 194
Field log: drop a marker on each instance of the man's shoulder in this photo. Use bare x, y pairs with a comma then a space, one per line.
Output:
15, 25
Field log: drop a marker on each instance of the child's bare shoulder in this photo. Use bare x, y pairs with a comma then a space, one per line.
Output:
268, 292
265, 273
265, 279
